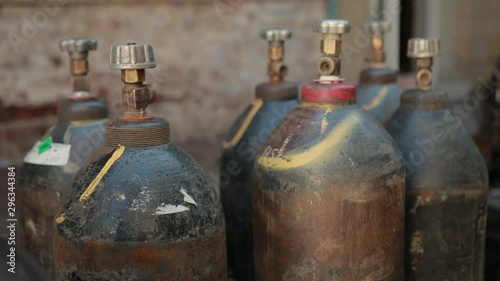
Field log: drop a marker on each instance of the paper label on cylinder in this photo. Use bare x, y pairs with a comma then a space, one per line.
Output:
56, 155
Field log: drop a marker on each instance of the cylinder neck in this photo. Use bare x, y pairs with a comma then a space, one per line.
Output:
276, 68
328, 94
423, 99
135, 94
424, 73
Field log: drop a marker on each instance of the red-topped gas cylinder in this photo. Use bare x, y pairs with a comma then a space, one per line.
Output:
49, 168
328, 186
446, 181
379, 91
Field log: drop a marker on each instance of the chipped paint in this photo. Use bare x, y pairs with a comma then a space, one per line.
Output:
187, 198
170, 209
416, 249
324, 121
423, 198
293, 160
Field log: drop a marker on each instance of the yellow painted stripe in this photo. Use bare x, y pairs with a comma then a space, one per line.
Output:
293, 160
118, 152
61, 218
90, 189
381, 94
256, 105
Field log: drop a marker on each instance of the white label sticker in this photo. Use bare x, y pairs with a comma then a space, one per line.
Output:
57, 155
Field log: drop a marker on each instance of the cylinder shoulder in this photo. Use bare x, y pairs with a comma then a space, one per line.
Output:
257, 121
437, 150
344, 144
138, 194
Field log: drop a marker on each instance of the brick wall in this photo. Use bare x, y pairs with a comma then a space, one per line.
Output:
209, 58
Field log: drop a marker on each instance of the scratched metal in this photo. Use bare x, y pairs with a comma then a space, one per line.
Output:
329, 198
152, 216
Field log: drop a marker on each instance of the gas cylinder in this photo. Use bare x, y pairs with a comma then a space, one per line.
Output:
378, 91
273, 100
142, 208
50, 166
328, 197
446, 181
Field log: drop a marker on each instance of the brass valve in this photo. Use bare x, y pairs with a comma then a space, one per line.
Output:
423, 50
377, 29
78, 50
331, 45
276, 69
132, 60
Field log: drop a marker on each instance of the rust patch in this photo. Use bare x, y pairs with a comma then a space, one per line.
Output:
416, 249
186, 260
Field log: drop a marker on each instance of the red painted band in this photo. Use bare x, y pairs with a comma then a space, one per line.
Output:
328, 93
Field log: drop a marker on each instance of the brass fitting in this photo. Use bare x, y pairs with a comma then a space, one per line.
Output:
331, 45
132, 60
78, 50
276, 68
377, 29
423, 50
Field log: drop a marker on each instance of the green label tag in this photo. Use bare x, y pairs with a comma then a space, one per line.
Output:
45, 145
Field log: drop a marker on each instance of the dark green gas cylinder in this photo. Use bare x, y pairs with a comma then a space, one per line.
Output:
142, 208
49, 168
446, 181
378, 91
273, 100
328, 186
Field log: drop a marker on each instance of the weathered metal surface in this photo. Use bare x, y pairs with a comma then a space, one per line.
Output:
379, 92
446, 185
188, 259
141, 213
44, 189
329, 194
492, 262
274, 101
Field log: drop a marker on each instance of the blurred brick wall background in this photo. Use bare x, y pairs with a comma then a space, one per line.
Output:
209, 56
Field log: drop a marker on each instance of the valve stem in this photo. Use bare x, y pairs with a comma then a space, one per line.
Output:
329, 65
423, 51
132, 60
276, 69
78, 50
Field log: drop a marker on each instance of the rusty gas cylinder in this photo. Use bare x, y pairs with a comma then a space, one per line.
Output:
446, 181
143, 208
49, 168
378, 91
328, 202
273, 100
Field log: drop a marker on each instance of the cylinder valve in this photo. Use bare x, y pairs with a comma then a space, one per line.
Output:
132, 60
424, 50
277, 70
331, 46
78, 50
377, 29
